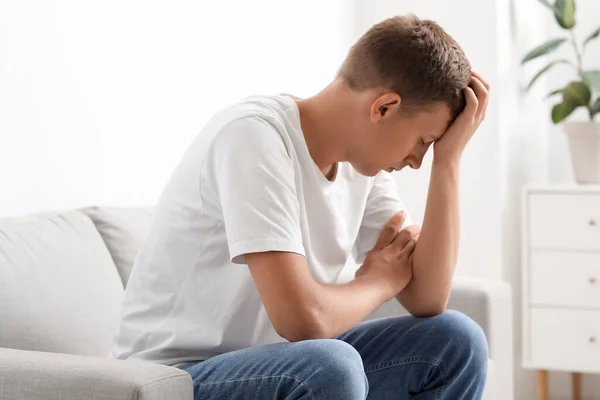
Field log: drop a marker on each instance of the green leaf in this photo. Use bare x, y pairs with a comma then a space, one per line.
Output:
545, 2
542, 49
564, 12
577, 94
592, 36
543, 70
561, 111
593, 79
596, 107
553, 93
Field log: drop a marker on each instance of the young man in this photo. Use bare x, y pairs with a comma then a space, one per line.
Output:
236, 282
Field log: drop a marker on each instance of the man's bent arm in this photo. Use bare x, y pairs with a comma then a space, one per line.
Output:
436, 253
434, 258
301, 308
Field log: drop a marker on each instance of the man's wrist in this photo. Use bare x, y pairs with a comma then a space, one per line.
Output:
446, 162
382, 285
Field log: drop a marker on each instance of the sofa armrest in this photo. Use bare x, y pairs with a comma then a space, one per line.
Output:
32, 375
489, 303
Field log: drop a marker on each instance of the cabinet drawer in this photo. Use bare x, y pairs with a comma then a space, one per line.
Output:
565, 339
565, 279
564, 221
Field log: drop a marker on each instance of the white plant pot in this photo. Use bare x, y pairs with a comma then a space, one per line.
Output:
584, 142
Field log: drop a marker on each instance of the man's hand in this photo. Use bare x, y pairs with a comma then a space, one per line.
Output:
390, 260
450, 146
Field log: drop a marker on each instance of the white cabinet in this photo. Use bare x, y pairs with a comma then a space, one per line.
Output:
561, 282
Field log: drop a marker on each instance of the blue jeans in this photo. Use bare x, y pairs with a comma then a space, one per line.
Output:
443, 357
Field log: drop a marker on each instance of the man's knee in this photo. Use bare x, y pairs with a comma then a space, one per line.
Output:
337, 366
467, 337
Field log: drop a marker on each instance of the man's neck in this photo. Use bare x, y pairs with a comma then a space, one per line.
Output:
322, 121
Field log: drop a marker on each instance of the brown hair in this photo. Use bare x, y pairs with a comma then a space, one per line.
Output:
415, 58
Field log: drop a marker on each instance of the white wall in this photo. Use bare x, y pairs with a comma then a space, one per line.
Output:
98, 100
473, 25
524, 134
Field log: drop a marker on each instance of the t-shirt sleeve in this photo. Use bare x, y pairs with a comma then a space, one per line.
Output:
253, 176
383, 202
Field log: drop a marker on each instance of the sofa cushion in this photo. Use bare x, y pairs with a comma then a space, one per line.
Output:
123, 231
59, 288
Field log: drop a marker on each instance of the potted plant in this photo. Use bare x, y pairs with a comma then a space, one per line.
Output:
582, 91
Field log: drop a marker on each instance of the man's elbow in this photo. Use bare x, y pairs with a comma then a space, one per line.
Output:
426, 309
298, 335
427, 312
298, 329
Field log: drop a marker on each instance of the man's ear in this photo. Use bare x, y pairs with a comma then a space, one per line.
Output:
382, 106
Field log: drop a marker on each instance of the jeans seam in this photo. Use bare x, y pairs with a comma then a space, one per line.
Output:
438, 393
411, 360
259, 377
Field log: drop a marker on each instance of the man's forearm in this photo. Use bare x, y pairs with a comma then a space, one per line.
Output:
344, 306
436, 253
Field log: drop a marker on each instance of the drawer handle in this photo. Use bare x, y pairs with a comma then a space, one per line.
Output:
592, 222
592, 339
592, 281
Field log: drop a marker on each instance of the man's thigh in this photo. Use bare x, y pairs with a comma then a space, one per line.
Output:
324, 368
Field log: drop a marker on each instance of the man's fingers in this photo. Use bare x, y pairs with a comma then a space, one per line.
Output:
405, 236
390, 230
482, 95
408, 249
413, 230
485, 83
472, 104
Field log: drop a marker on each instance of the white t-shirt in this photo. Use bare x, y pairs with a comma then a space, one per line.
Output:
247, 184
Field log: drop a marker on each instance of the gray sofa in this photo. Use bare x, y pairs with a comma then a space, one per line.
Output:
61, 285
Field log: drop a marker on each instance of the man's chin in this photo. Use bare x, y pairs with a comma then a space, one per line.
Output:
368, 171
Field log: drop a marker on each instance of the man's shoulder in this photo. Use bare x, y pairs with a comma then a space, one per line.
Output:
252, 124
275, 109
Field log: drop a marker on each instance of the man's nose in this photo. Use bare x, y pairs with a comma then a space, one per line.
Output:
416, 158
415, 162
